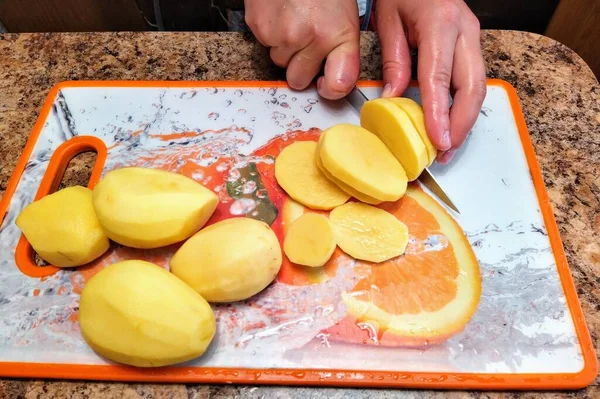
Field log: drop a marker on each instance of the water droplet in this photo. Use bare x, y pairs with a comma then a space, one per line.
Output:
272, 91
242, 206
294, 99
238, 93
241, 111
283, 96
198, 175
249, 187
222, 167
234, 175
227, 103
284, 105
312, 101
307, 109
213, 116
262, 193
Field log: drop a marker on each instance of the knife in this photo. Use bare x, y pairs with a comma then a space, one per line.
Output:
356, 98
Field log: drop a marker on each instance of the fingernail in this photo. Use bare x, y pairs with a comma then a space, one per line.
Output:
387, 90
445, 142
447, 156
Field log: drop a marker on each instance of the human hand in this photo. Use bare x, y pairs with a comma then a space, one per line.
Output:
304, 33
446, 34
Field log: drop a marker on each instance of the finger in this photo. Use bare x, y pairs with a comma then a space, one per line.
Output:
341, 70
394, 50
281, 55
468, 79
304, 66
436, 49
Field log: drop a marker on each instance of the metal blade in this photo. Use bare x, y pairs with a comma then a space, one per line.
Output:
356, 98
427, 179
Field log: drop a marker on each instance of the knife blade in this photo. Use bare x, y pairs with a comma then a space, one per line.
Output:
357, 98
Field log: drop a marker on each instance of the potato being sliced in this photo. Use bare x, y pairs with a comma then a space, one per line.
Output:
351, 191
361, 160
309, 240
393, 126
151, 208
415, 113
297, 174
368, 233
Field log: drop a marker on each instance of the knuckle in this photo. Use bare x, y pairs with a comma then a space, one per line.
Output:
479, 88
450, 12
472, 22
441, 77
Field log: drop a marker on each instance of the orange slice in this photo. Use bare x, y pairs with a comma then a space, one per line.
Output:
426, 295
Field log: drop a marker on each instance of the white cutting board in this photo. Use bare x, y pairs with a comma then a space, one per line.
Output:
524, 323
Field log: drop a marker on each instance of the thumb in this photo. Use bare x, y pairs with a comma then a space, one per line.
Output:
341, 70
394, 50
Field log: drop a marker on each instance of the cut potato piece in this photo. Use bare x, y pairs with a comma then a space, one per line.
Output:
229, 261
63, 228
151, 208
361, 160
309, 240
137, 313
297, 174
415, 113
368, 233
394, 127
351, 191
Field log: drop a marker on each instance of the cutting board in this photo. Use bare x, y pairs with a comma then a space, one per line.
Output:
527, 332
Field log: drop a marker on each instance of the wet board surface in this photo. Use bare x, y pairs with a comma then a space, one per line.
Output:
528, 329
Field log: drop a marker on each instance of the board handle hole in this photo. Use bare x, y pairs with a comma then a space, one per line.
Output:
78, 161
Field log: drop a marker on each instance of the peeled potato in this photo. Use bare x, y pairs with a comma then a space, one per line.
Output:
368, 233
229, 261
63, 228
415, 113
297, 174
361, 160
309, 240
151, 208
137, 313
394, 127
351, 191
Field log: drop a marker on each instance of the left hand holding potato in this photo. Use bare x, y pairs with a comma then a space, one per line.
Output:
447, 35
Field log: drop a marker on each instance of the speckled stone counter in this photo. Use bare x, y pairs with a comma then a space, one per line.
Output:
558, 92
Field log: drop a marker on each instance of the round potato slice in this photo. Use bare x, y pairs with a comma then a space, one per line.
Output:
309, 240
351, 191
361, 160
415, 113
368, 233
297, 174
394, 127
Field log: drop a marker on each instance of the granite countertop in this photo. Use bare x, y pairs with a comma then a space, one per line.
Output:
558, 92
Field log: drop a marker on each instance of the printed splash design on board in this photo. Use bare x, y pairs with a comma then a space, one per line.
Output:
351, 302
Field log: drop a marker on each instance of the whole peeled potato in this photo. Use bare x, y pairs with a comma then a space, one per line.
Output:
229, 261
63, 228
136, 313
151, 208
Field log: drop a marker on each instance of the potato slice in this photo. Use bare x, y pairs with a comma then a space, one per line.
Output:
415, 113
394, 127
361, 160
137, 313
229, 261
309, 240
351, 191
297, 174
368, 233
151, 208
63, 228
